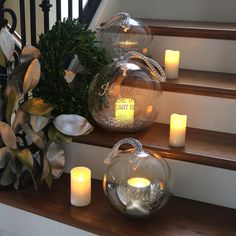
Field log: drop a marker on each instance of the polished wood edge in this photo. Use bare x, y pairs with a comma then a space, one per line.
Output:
180, 216
214, 84
219, 148
195, 29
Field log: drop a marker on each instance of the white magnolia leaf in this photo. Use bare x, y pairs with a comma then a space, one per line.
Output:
72, 125
32, 76
7, 44
56, 158
8, 135
4, 156
38, 122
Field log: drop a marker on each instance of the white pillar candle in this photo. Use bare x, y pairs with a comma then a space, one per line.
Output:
177, 130
80, 186
172, 64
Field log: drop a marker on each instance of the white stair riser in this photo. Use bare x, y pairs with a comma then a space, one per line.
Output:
193, 181
211, 113
199, 54
195, 10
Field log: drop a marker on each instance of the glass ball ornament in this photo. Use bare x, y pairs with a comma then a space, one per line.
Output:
136, 181
125, 96
122, 34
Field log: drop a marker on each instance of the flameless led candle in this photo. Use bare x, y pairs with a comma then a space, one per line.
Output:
138, 182
80, 186
125, 110
177, 130
172, 64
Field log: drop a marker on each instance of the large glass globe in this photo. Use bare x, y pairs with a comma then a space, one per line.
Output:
125, 96
136, 181
123, 34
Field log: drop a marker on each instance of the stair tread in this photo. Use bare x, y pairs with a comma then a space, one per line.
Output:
202, 146
197, 29
203, 83
179, 217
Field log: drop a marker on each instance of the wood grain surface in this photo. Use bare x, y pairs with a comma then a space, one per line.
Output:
179, 217
202, 146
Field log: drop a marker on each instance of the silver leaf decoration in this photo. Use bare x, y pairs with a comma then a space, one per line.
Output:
72, 125
8, 135
38, 122
56, 158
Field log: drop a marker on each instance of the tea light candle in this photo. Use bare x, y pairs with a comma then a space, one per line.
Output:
177, 130
138, 182
80, 186
139, 193
125, 110
172, 64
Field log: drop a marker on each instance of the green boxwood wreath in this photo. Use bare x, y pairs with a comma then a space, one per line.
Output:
66, 39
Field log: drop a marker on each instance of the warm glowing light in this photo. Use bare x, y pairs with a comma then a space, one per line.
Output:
177, 130
138, 182
125, 110
80, 186
149, 109
145, 51
128, 44
172, 64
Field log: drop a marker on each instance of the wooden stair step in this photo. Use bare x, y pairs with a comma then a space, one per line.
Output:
179, 217
195, 29
202, 146
203, 83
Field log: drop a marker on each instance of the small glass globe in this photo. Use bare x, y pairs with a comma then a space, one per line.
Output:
123, 34
125, 96
136, 181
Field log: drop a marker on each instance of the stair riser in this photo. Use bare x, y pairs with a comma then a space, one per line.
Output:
211, 113
198, 10
198, 182
199, 54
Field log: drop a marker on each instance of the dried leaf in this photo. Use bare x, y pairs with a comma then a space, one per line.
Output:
55, 135
8, 177
32, 76
20, 119
39, 138
38, 122
56, 158
11, 101
8, 135
5, 155
29, 53
26, 158
2, 59
36, 106
47, 172
13, 84
72, 125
